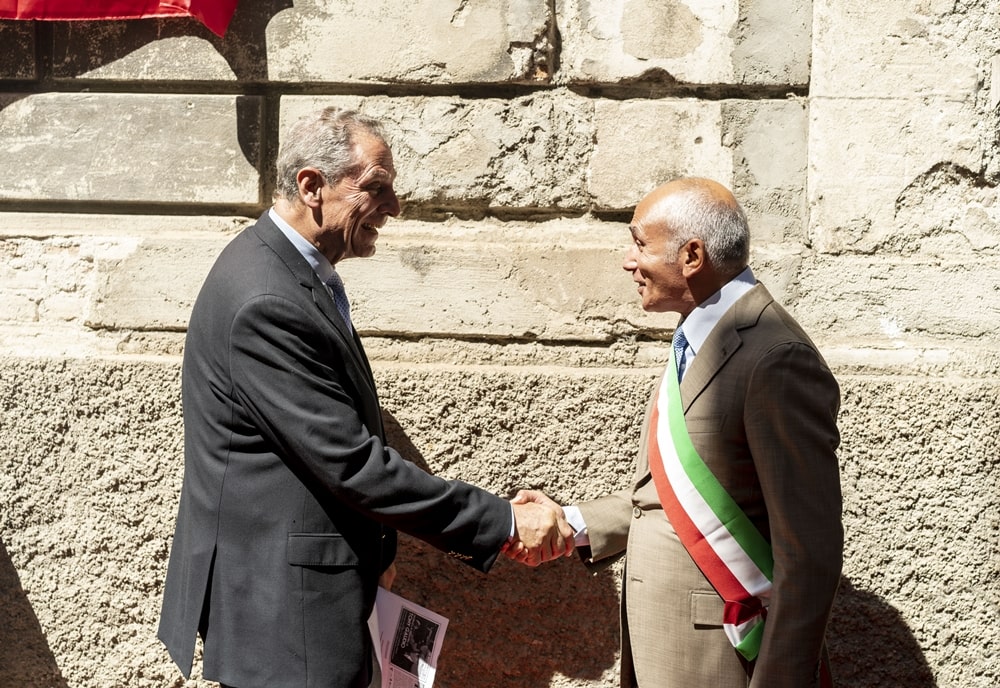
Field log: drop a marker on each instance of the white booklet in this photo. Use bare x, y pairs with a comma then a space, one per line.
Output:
408, 638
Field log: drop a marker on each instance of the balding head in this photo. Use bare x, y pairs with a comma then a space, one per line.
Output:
698, 208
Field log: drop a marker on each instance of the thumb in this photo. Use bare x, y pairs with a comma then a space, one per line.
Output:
522, 497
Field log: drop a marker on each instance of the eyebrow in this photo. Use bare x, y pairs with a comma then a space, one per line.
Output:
379, 174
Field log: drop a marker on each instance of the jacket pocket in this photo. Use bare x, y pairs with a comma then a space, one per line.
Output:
700, 424
706, 609
320, 549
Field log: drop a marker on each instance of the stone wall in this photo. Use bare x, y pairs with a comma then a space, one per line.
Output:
508, 345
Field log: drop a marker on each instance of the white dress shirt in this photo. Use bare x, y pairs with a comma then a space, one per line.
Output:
697, 326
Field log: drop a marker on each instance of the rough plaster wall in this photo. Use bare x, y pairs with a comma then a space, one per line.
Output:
92, 466
507, 343
94, 461
920, 487
89, 478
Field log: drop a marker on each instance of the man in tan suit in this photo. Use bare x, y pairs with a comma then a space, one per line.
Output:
760, 408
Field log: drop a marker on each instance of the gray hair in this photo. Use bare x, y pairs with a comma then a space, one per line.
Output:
324, 140
695, 214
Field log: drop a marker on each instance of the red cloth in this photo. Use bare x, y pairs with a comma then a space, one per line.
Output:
215, 14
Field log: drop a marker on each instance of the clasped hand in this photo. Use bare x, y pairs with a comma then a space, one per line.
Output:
541, 532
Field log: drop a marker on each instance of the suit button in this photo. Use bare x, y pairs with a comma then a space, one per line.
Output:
636, 512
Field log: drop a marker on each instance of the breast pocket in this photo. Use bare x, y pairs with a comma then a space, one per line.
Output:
320, 549
702, 424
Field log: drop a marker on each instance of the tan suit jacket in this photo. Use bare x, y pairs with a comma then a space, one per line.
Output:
761, 407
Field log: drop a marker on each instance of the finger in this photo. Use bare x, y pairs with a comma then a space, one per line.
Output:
533, 558
569, 538
525, 496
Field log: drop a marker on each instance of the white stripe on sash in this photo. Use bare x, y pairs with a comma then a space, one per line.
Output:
726, 547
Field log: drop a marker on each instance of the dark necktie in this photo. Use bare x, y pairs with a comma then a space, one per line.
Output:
680, 343
336, 285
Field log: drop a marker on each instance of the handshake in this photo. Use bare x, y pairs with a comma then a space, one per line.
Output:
541, 532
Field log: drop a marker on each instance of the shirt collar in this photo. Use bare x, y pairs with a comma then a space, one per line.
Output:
320, 265
706, 315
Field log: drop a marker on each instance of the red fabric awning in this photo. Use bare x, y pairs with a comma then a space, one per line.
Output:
215, 14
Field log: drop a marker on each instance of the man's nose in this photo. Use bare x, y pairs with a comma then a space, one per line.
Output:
391, 205
629, 264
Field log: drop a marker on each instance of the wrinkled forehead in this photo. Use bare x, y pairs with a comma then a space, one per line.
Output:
651, 218
373, 157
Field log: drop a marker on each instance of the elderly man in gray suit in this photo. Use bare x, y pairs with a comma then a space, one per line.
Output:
291, 498
731, 527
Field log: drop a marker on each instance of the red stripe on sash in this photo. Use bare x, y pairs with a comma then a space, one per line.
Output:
715, 570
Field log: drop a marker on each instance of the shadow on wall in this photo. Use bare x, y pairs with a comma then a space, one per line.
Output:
25, 657
871, 645
87, 46
80, 47
516, 627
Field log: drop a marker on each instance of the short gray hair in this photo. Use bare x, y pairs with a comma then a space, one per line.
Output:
694, 213
324, 140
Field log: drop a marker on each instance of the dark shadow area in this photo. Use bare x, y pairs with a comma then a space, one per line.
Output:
870, 644
81, 47
17, 59
25, 658
516, 626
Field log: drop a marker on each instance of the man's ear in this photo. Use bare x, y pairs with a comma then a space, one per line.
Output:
310, 181
694, 257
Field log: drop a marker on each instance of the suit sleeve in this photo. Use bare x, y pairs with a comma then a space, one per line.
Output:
292, 379
608, 520
791, 421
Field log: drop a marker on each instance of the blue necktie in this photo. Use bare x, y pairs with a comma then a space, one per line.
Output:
336, 285
680, 343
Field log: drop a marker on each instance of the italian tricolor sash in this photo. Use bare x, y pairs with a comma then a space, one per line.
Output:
720, 538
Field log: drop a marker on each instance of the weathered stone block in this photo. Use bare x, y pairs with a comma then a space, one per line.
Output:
174, 48
17, 59
107, 230
910, 50
459, 42
151, 50
194, 149
44, 282
875, 163
155, 285
476, 155
757, 148
641, 144
56, 269
708, 42
896, 303
561, 282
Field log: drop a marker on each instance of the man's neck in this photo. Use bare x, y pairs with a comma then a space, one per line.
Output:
297, 217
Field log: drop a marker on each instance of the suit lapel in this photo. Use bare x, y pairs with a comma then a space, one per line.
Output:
321, 298
723, 342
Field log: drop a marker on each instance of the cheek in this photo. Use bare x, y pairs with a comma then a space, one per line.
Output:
363, 201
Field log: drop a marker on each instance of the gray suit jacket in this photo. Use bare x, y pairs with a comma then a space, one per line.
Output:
291, 499
761, 407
